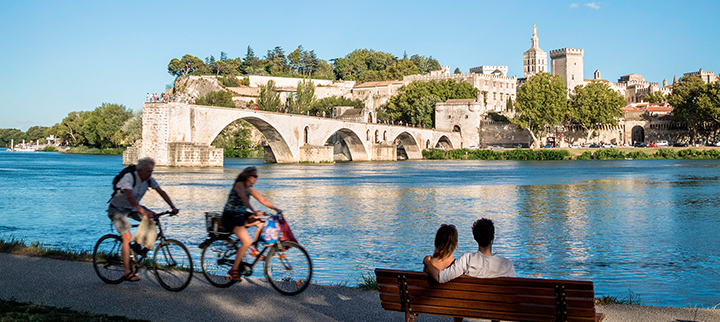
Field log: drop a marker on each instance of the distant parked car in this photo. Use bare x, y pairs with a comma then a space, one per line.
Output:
608, 145
474, 147
586, 145
594, 145
640, 145
546, 146
652, 145
662, 143
496, 147
573, 146
680, 145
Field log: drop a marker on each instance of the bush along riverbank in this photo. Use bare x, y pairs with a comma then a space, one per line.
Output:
514, 154
562, 154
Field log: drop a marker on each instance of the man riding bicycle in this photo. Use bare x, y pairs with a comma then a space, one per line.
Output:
126, 203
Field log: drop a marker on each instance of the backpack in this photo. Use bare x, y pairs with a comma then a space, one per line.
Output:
129, 169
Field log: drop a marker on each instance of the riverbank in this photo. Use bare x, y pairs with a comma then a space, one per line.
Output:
74, 285
617, 153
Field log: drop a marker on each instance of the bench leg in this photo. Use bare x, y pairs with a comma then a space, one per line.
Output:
457, 319
410, 317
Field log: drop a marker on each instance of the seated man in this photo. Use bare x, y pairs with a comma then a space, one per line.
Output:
126, 203
479, 264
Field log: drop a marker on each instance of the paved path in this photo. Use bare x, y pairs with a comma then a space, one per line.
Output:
74, 284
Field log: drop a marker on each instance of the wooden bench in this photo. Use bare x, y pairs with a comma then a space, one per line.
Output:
502, 298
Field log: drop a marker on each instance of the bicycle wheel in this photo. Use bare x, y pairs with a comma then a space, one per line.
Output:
107, 259
216, 259
173, 265
289, 271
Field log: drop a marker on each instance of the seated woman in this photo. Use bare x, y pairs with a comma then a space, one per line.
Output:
238, 215
446, 240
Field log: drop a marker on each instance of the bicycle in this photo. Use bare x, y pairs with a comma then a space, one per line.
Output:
171, 262
288, 267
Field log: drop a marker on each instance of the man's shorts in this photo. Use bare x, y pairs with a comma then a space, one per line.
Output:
120, 220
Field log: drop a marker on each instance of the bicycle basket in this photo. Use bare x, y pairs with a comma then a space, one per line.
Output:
213, 221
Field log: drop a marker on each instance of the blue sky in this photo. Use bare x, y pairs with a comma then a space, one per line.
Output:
73, 56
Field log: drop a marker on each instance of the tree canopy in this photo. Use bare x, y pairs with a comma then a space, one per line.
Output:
99, 128
415, 101
269, 97
655, 97
326, 104
594, 105
362, 65
541, 102
696, 104
216, 98
304, 98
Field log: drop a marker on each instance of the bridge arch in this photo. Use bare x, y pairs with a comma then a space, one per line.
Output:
409, 144
444, 142
273, 138
353, 143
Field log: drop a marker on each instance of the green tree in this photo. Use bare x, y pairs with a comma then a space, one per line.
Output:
102, 124
70, 129
595, 105
457, 71
304, 98
399, 69
131, 131
410, 107
251, 64
269, 97
655, 97
234, 139
36, 133
7, 136
216, 98
686, 99
326, 104
425, 64
541, 102
185, 66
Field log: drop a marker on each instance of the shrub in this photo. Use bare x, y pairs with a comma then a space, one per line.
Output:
49, 149
637, 155
229, 81
216, 98
433, 154
689, 154
609, 154
245, 81
665, 154
456, 154
520, 154
711, 154
552, 154
587, 155
485, 155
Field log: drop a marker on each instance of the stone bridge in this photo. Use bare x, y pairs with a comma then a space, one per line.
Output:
178, 134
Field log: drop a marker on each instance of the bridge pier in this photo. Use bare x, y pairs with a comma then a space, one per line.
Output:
316, 153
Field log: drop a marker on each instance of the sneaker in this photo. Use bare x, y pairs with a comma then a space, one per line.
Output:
142, 251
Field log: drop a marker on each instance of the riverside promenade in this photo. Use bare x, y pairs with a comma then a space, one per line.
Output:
73, 284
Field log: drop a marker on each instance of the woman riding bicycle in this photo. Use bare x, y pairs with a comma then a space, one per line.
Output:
238, 214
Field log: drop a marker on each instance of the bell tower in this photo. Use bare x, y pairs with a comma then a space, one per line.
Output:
535, 59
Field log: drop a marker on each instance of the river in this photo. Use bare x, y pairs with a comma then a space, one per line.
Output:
646, 226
